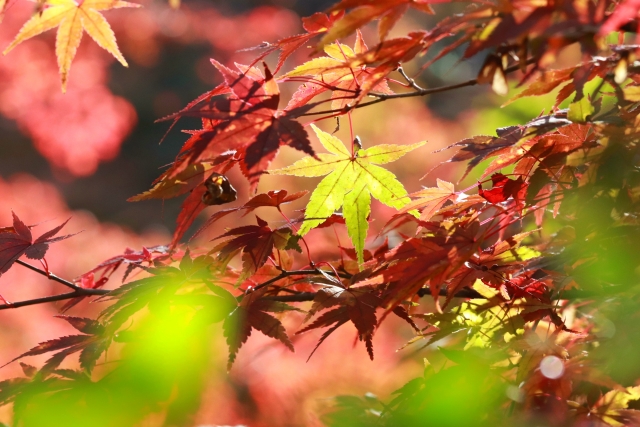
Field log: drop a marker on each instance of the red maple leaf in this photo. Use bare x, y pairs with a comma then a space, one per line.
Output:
91, 345
256, 243
491, 265
357, 305
315, 24
350, 84
131, 258
273, 198
361, 12
250, 314
14, 244
504, 188
248, 121
624, 13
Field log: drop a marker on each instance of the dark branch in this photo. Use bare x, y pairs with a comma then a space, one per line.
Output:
49, 276
77, 290
309, 296
79, 293
284, 274
418, 92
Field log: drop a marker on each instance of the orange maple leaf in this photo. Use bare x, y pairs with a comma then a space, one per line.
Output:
71, 18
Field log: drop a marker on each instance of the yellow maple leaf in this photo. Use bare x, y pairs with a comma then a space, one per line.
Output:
351, 179
71, 18
336, 72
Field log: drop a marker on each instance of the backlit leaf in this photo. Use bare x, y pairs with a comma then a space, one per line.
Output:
580, 111
350, 181
72, 18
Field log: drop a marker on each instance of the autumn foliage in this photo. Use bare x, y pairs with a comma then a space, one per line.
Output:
514, 288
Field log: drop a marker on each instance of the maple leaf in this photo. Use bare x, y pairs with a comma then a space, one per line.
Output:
356, 304
430, 200
505, 188
250, 314
352, 178
624, 12
354, 74
480, 147
131, 258
273, 198
257, 243
158, 290
72, 18
548, 81
425, 261
20, 242
612, 407
248, 121
90, 345
493, 266
315, 24
365, 11
392, 52
349, 83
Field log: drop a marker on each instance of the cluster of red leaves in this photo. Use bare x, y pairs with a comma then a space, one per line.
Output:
17, 241
247, 121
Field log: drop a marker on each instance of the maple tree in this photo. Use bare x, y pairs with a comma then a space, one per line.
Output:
520, 290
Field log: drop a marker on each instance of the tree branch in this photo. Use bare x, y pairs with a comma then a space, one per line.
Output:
81, 292
49, 276
285, 273
463, 293
309, 296
77, 290
418, 92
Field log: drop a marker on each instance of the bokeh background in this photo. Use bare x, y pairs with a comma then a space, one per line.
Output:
83, 153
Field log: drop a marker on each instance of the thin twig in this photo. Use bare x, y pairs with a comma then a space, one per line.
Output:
463, 293
309, 296
77, 290
60, 297
301, 297
285, 273
409, 80
49, 276
418, 92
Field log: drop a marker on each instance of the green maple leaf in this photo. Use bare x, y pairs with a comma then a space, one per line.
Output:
350, 182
